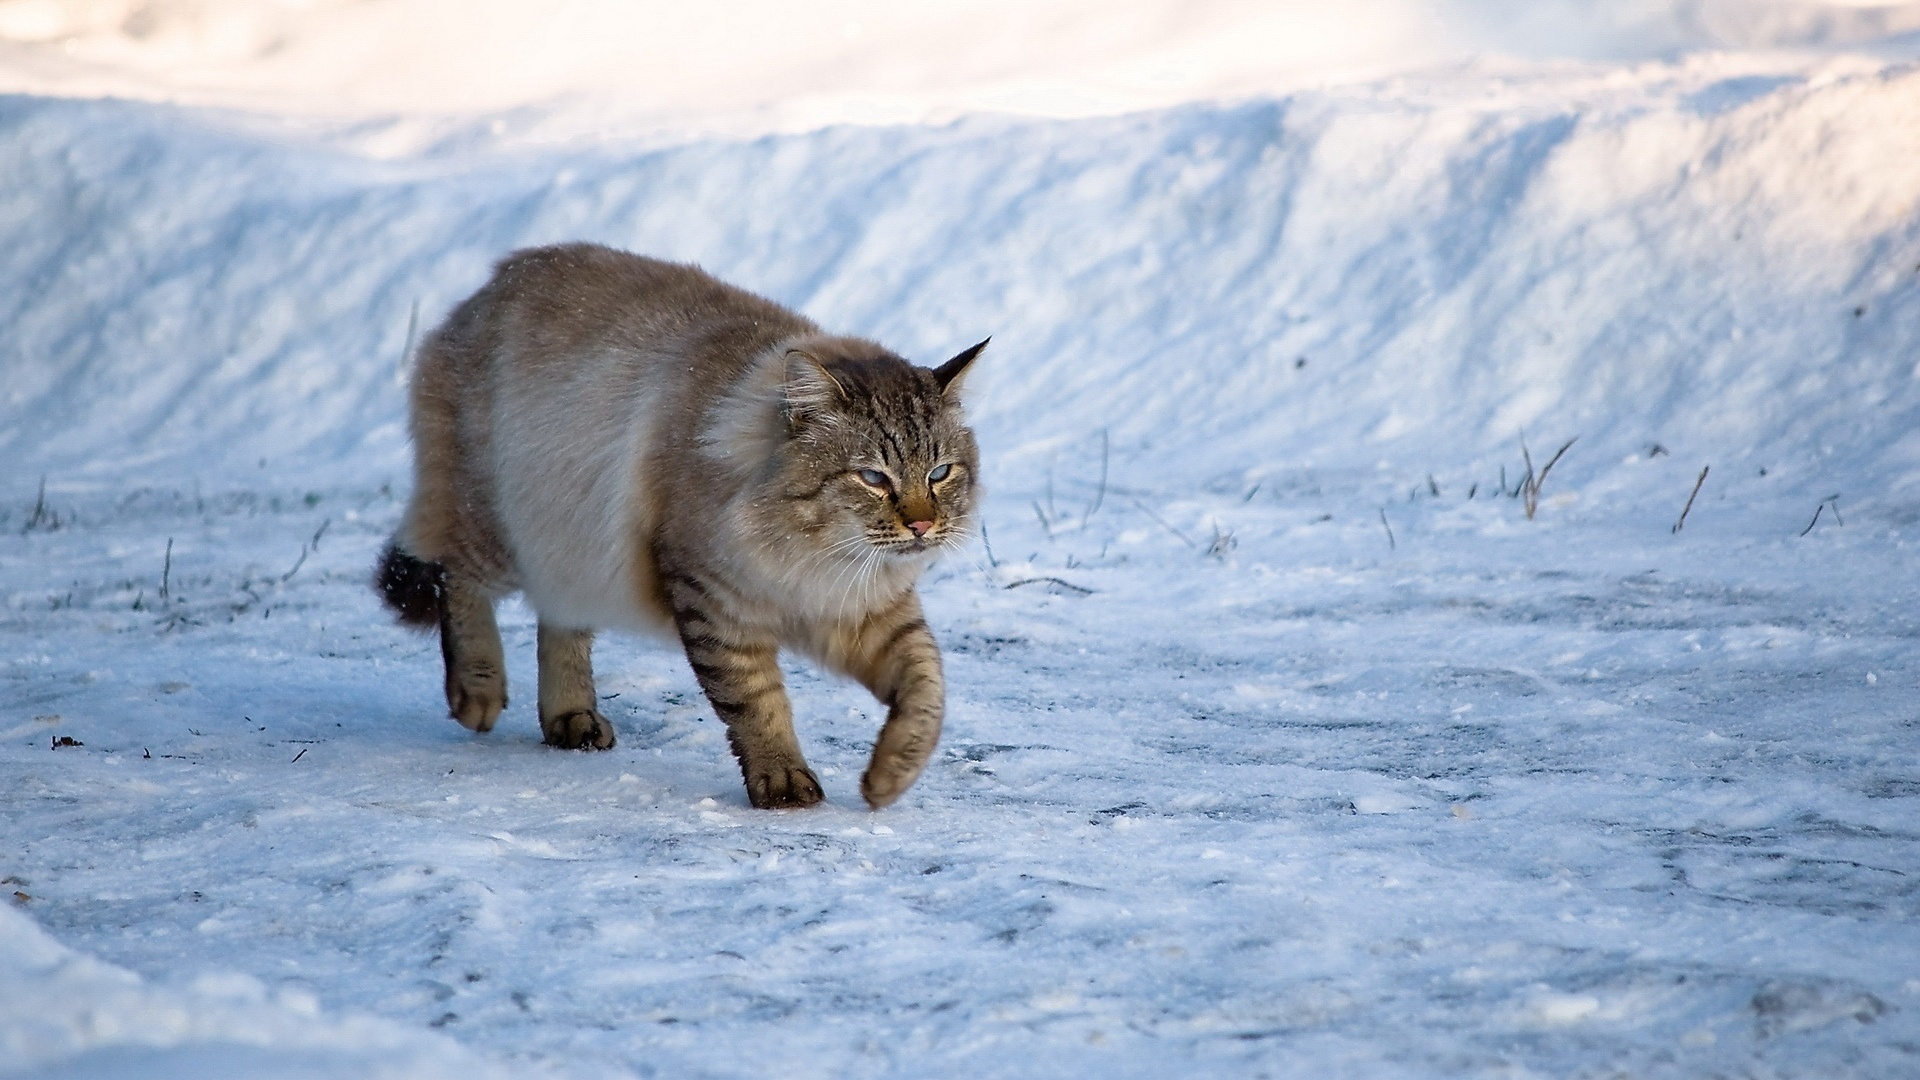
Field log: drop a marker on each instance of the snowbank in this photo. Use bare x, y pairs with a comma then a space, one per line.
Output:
65, 1014
1723, 264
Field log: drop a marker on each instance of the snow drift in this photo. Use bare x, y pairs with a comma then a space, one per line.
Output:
76, 1016
1727, 266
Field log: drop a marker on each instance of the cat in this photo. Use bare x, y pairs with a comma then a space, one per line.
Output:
634, 444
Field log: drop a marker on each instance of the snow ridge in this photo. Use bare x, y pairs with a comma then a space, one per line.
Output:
1727, 262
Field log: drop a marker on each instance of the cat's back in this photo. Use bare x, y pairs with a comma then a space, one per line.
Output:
571, 303
592, 360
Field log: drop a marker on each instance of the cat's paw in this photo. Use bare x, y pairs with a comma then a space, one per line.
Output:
476, 704
783, 788
899, 755
887, 780
583, 730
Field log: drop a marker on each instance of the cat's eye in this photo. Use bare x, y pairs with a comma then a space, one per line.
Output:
939, 474
875, 478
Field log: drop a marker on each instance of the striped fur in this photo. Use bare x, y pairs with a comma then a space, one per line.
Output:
635, 445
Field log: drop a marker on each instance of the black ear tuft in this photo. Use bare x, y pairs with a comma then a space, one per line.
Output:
948, 374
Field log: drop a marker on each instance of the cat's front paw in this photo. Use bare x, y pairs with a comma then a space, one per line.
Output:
583, 730
477, 702
898, 758
881, 791
887, 779
783, 788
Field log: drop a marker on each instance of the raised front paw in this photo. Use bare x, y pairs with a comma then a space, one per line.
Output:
476, 701
898, 757
783, 788
888, 778
583, 730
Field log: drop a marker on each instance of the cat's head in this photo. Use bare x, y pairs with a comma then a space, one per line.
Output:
873, 456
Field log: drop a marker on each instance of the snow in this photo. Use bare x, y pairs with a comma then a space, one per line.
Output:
1282, 740
76, 1016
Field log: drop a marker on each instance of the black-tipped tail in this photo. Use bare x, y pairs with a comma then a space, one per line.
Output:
414, 588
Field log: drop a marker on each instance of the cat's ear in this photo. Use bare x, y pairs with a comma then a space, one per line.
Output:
952, 373
809, 387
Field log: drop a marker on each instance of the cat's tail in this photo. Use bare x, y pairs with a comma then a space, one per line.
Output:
414, 588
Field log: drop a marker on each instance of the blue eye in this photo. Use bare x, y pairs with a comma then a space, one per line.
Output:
875, 478
939, 474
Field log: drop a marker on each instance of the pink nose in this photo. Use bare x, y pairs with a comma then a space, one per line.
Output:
919, 527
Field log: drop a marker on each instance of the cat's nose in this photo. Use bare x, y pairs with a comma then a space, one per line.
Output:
919, 527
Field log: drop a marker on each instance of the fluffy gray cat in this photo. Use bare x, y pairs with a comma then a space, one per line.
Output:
634, 444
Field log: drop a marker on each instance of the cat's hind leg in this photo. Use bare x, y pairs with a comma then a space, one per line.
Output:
568, 717
470, 645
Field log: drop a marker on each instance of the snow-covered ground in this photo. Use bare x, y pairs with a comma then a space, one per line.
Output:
1282, 741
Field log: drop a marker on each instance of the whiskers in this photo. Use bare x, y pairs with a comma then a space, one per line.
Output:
957, 541
844, 570
954, 539
850, 574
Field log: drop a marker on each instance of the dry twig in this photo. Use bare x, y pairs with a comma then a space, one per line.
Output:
406, 351
1184, 538
1530, 487
1099, 496
1223, 542
1045, 522
1081, 589
1685, 510
1051, 461
1834, 501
